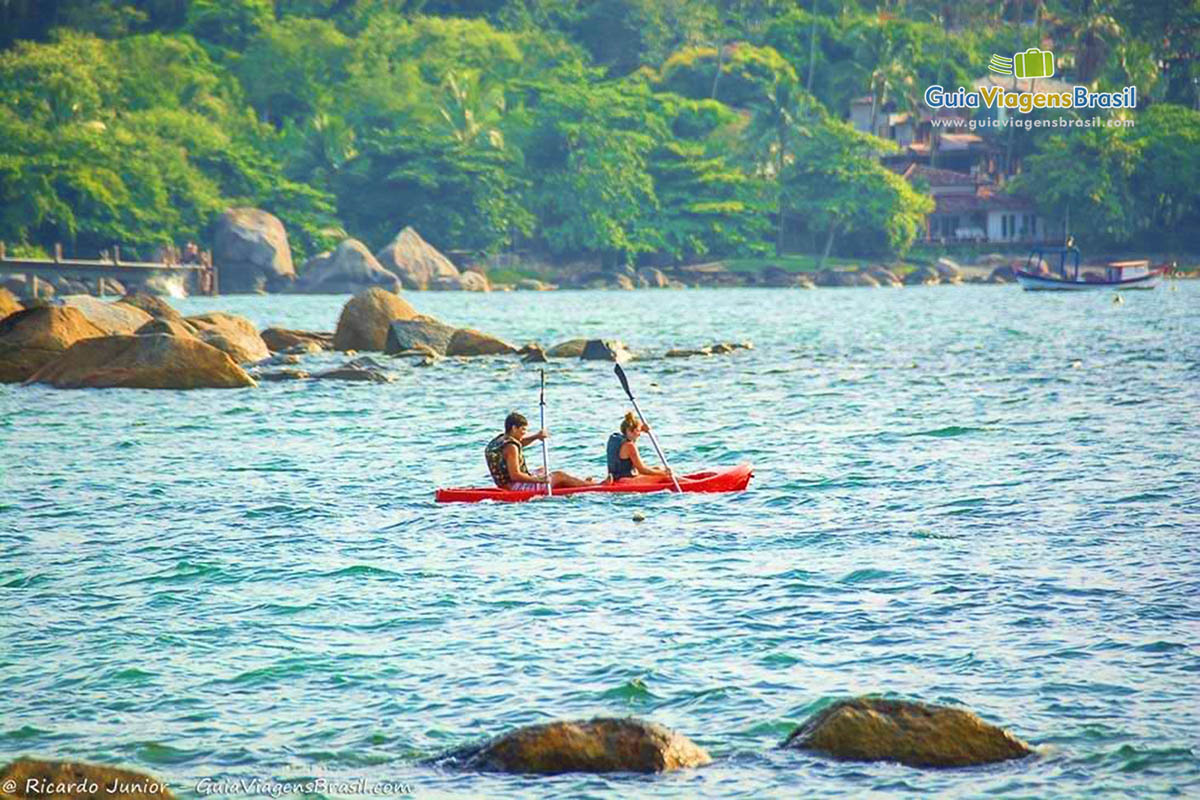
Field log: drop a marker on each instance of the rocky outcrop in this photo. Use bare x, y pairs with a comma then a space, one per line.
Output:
366, 319
779, 278
598, 745
654, 278
916, 734
883, 276
719, 348
112, 318
415, 262
534, 355
605, 350
467, 342
948, 270
417, 333
348, 269
8, 303
533, 285
360, 369
157, 361
250, 250
844, 278
279, 339
31, 338
154, 306
26, 776
572, 348
235, 335
922, 276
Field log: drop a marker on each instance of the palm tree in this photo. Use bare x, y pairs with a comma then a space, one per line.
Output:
782, 115
471, 110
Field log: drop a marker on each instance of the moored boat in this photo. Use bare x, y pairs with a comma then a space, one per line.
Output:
1066, 274
732, 479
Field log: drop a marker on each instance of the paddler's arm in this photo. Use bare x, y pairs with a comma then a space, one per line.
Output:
514, 466
640, 466
535, 437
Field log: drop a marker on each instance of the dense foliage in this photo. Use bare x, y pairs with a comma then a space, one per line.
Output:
624, 130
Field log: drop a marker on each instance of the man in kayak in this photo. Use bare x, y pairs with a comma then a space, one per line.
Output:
505, 457
623, 458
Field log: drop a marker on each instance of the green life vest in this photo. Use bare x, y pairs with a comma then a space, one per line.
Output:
494, 455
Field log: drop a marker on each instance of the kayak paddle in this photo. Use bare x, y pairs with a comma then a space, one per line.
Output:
653, 439
545, 450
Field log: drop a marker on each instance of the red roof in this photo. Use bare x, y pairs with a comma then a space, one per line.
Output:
986, 199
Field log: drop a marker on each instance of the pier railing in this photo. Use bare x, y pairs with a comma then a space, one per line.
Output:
110, 265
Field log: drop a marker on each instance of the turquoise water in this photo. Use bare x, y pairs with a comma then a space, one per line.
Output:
970, 495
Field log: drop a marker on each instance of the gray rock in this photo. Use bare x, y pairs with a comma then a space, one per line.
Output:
423, 331
349, 269
417, 263
605, 350
251, 252
572, 348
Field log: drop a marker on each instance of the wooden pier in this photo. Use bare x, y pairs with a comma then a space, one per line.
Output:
202, 273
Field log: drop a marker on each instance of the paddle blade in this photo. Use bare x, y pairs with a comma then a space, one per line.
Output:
624, 381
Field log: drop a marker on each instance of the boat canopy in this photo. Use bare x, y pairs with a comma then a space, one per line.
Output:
1058, 258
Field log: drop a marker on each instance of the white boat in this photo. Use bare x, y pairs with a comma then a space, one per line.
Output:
1067, 275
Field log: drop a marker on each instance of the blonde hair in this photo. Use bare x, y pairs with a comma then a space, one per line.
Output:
630, 423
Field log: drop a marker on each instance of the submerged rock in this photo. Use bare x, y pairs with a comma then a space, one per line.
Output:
235, 335
597, 745
366, 318
912, 733
34, 337
72, 780
157, 361
534, 355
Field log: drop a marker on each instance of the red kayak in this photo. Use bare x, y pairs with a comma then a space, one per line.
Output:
734, 479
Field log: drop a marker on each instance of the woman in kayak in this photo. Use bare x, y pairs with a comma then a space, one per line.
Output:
505, 456
623, 458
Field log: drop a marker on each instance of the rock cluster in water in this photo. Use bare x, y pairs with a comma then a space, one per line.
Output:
860, 729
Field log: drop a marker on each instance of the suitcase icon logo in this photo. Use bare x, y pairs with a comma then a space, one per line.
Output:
1033, 63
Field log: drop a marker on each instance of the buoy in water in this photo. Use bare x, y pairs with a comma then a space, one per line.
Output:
639, 516
1117, 299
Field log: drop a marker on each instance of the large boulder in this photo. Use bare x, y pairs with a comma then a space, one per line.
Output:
156, 361
572, 348
605, 350
251, 253
8, 303
1003, 274
279, 339
597, 745
417, 333
366, 318
883, 276
112, 318
235, 335
28, 778
916, 734
154, 306
348, 269
655, 278
31, 338
467, 342
417, 263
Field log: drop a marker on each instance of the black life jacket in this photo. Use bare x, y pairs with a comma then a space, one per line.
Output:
618, 467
